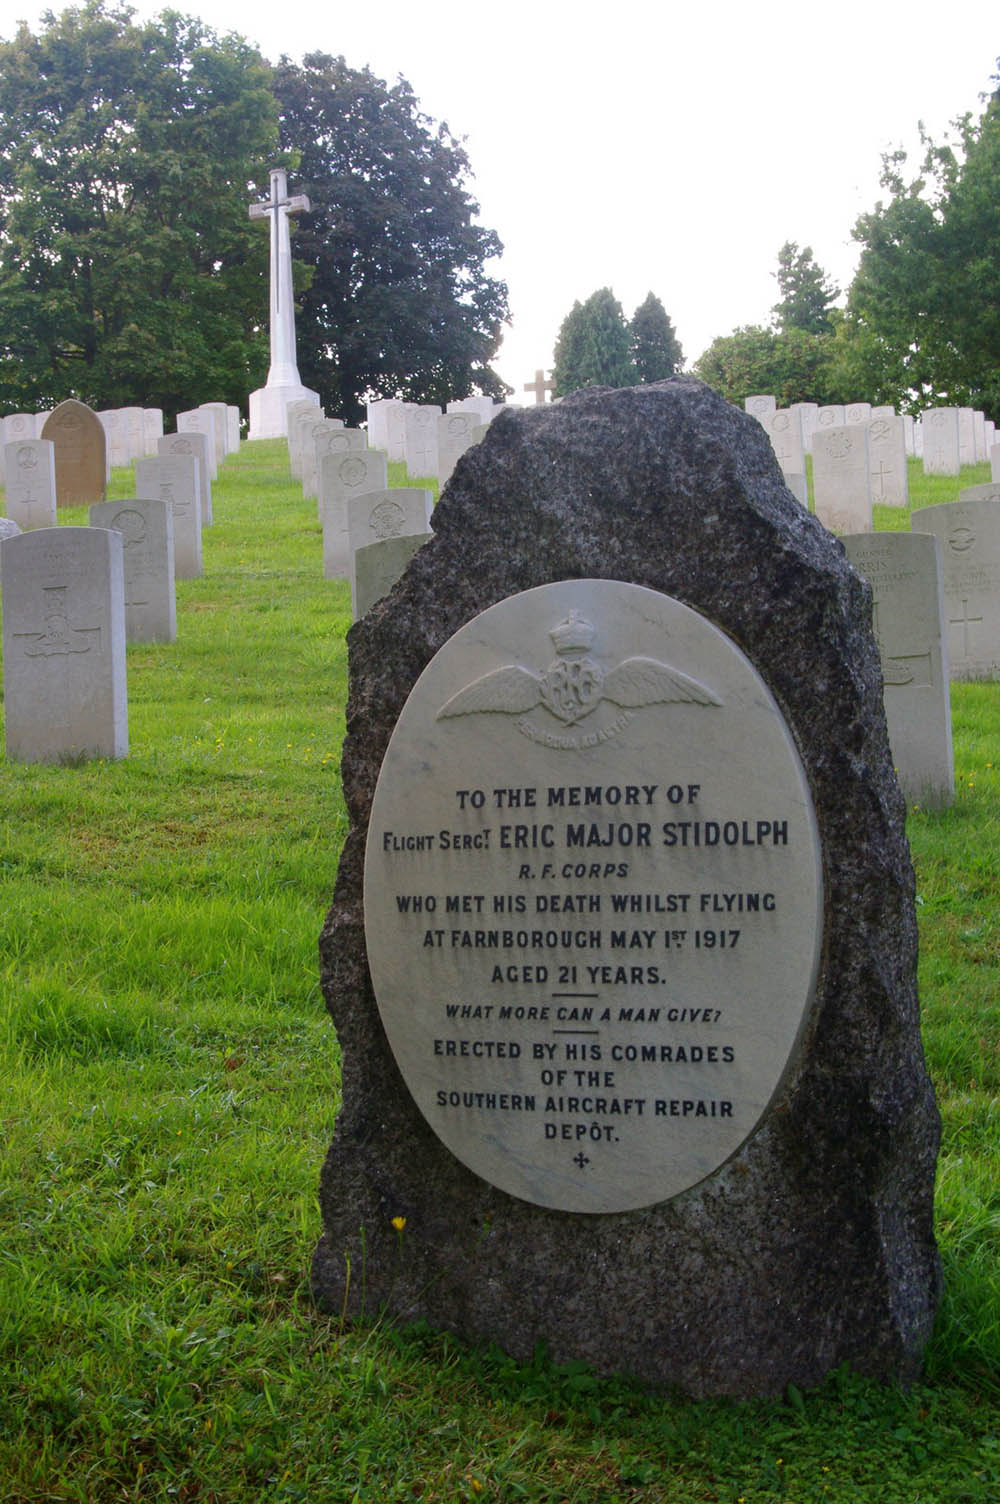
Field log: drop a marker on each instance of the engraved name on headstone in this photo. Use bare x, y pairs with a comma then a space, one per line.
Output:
597, 890
596, 812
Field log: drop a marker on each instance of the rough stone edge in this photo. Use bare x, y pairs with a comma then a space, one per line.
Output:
761, 1279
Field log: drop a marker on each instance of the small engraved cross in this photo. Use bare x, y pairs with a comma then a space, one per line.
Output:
581, 1160
880, 475
964, 621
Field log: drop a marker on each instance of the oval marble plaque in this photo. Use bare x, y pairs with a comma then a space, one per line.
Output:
593, 896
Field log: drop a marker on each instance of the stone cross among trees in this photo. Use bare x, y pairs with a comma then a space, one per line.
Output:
539, 386
268, 418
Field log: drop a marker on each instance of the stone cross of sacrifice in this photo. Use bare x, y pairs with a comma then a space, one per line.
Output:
284, 368
539, 386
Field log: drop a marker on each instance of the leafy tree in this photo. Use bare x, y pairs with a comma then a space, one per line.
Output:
129, 270
806, 295
924, 308
400, 303
792, 365
656, 350
593, 347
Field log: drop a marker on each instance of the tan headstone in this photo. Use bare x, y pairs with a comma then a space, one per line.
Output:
81, 453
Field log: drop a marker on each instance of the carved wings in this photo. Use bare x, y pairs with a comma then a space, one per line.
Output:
643, 681
510, 689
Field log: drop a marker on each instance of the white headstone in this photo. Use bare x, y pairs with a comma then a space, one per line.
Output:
30, 467
233, 429
785, 429
115, 427
152, 428
831, 416
798, 485
904, 571
966, 436
456, 434
909, 432
64, 645
857, 412
298, 416
174, 479
979, 434
841, 482
484, 408
380, 515
887, 460
760, 405
197, 420
995, 461
327, 437
147, 534
988, 492
421, 439
220, 418
378, 566
387, 427
969, 535
196, 444
342, 476
940, 431
808, 416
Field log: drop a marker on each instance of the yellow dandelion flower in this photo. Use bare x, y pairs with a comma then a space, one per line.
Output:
399, 1223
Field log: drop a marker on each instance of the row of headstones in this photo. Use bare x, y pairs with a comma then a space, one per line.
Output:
936, 615
73, 597
68, 463
370, 531
945, 437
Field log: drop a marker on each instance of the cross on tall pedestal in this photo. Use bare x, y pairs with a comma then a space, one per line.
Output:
268, 418
539, 386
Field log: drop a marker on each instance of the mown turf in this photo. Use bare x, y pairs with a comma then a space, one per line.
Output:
169, 1085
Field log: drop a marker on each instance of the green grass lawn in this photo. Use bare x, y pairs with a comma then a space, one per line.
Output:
169, 1088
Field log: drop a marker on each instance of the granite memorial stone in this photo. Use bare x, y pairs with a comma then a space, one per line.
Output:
622, 951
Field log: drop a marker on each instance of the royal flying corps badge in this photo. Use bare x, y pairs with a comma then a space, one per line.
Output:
575, 684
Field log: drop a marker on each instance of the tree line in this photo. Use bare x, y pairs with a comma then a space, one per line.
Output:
920, 326
130, 271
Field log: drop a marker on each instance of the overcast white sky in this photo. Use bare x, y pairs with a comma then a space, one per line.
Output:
645, 146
